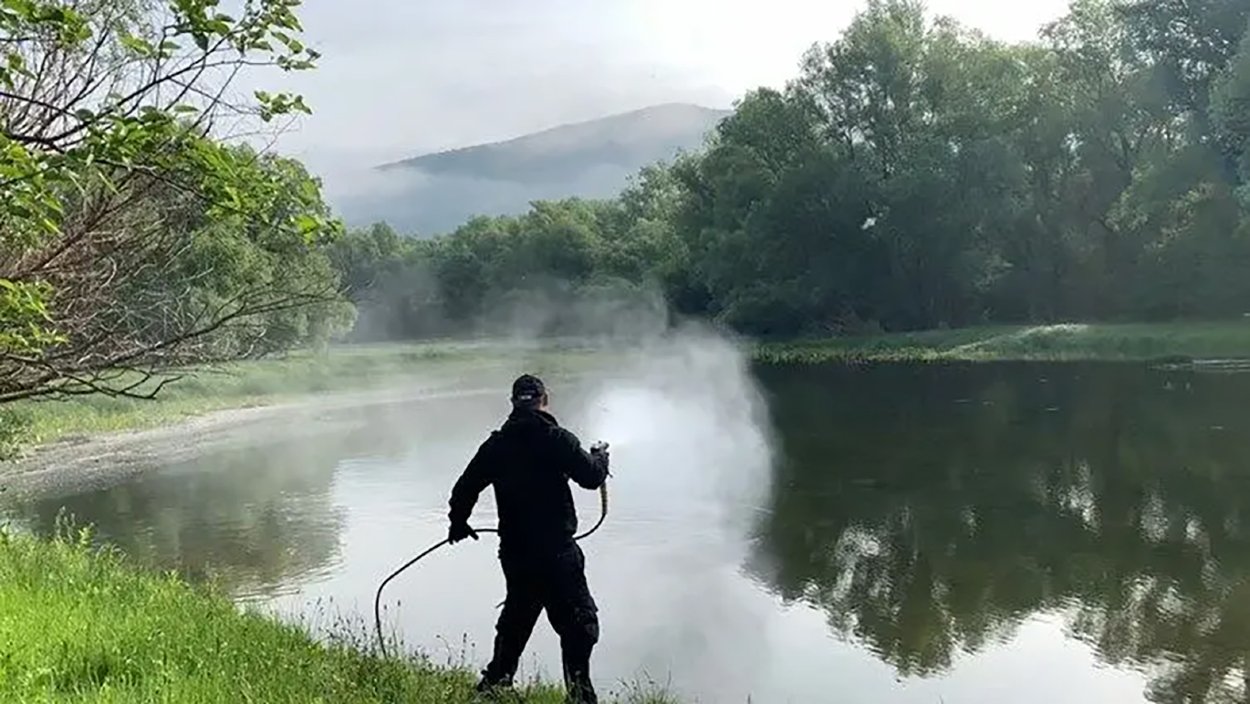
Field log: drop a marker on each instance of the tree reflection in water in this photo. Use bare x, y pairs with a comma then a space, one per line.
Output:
928, 510
256, 519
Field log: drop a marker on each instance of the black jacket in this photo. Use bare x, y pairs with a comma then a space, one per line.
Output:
529, 461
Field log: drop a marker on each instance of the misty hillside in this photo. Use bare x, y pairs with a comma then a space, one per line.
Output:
436, 192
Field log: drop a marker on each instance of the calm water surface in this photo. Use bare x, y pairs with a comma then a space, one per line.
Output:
1024, 533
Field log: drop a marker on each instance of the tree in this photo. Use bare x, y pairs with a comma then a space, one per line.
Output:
1189, 43
111, 180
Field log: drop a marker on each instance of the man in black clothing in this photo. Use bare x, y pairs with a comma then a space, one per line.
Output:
530, 461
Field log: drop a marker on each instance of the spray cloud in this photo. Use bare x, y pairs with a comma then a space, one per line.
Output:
691, 456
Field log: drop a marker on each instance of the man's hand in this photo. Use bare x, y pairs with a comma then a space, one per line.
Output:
460, 531
600, 452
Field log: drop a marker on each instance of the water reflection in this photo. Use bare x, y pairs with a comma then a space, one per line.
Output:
929, 511
257, 518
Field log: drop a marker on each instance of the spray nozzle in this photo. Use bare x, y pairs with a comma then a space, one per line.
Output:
600, 451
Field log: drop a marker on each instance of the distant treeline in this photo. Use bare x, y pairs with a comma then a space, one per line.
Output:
915, 174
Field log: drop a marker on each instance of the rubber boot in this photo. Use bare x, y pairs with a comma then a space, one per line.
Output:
578, 685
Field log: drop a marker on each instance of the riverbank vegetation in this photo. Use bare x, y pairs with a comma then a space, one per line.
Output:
84, 625
1174, 342
914, 175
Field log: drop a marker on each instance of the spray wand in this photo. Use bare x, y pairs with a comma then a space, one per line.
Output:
377, 599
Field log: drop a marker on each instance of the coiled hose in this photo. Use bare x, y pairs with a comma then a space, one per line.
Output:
377, 599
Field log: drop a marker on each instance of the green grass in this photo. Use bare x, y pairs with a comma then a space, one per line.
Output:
1071, 342
80, 624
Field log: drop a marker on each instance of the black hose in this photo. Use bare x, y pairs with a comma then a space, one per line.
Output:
377, 599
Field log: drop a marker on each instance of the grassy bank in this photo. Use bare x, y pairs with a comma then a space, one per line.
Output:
81, 625
1074, 342
254, 383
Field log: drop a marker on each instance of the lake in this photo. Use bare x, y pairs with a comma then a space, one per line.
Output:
879, 533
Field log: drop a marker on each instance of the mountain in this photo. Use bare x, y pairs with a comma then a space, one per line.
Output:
436, 192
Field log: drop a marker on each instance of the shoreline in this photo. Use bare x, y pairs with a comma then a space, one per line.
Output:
207, 397
1177, 343
81, 461
107, 436
84, 460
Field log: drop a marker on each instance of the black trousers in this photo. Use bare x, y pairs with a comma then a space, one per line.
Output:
554, 581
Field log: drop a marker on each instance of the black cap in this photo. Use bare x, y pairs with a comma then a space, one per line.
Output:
527, 390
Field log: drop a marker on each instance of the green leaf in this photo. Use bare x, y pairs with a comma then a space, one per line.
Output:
306, 224
168, 48
137, 45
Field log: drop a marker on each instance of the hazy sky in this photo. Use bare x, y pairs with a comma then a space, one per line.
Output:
403, 77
